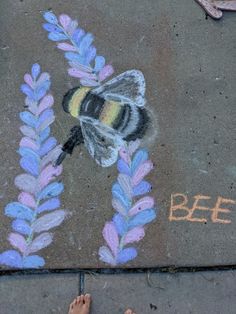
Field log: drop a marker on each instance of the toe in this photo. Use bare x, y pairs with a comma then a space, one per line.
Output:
129, 311
87, 299
82, 299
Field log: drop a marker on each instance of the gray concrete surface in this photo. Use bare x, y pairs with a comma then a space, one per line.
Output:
33, 294
182, 293
188, 62
199, 293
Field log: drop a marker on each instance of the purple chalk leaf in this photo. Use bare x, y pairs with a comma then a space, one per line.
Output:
65, 20
146, 202
125, 184
46, 102
105, 72
111, 237
28, 80
124, 155
28, 131
134, 235
18, 241
48, 174
133, 146
40, 242
27, 199
141, 172
28, 142
66, 47
26, 182
106, 256
117, 205
48, 221
52, 156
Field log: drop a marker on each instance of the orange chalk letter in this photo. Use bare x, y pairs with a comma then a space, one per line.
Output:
217, 209
197, 207
180, 206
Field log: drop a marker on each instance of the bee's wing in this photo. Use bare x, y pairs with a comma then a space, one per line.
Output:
128, 87
102, 142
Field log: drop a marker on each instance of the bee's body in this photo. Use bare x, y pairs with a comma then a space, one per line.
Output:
107, 119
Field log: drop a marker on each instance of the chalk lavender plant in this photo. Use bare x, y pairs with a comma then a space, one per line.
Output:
36, 211
127, 225
132, 215
81, 54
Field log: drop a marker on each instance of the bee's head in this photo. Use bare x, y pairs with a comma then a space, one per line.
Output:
66, 103
73, 99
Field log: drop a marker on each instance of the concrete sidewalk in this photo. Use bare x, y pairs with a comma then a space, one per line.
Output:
181, 293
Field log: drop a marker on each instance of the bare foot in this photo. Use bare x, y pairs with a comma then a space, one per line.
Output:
81, 305
129, 311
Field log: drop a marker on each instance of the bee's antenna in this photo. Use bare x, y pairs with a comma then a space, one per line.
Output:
75, 138
60, 159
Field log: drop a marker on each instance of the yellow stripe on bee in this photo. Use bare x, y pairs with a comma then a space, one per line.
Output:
77, 99
109, 112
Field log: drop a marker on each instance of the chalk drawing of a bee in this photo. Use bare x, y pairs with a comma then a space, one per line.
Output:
108, 116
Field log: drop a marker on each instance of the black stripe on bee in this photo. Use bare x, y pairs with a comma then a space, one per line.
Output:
92, 106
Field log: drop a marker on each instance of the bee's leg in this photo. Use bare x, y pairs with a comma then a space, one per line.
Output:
75, 138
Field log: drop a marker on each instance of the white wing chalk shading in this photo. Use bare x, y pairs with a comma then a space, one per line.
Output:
128, 87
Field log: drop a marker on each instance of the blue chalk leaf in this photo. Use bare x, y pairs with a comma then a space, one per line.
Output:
49, 144
142, 188
123, 167
140, 156
18, 210
73, 56
50, 17
21, 226
121, 224
30, 164
53, 189
51, 204
118, 193
57, 36
11, 258
99, 63
52, 28
85, 43
35, 70
77, 35
41, 90
26, 151
142, 218
27, 90
28, 118
126, 255
44, 134
33, 261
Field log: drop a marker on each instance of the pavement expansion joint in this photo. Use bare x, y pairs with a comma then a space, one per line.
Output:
116, 271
